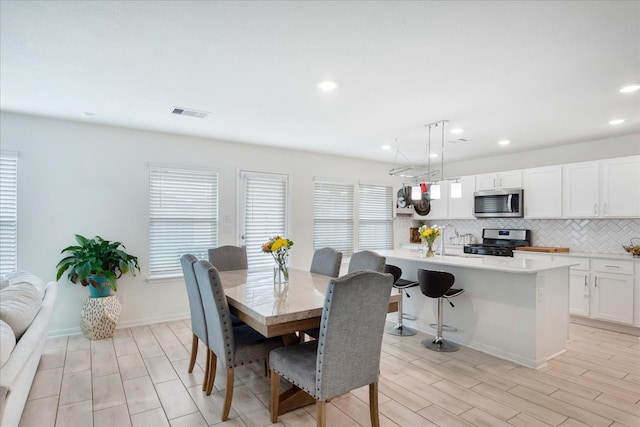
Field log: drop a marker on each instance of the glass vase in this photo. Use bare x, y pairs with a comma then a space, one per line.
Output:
281, 272
429, 253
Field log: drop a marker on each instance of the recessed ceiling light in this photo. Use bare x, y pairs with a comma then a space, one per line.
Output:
88, 114
616, 121
328, 85
386, 147
504, 142
457, 130
630, 88
433, 155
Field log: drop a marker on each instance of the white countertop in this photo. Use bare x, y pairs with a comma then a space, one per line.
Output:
618, 257
482, 262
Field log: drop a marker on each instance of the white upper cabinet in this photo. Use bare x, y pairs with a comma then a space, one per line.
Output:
439, 207
494, 181
543, 192
620, 193
581, 189
605, 188
462, 208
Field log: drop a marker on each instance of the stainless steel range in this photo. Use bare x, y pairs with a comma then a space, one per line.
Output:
500, 242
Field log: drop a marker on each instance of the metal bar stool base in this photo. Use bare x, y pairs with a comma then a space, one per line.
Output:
444, 327
441, 346
400, 330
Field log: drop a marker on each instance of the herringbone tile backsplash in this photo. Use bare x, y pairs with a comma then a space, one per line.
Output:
580, 235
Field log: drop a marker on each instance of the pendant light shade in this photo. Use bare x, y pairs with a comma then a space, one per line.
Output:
456, 190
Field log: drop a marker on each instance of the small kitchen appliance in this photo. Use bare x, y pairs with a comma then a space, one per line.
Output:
500, 242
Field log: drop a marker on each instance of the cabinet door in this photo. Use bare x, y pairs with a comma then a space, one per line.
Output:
439, 207
581, 190
612, 297
579, 292
621, 187
462, 208
510, 179
487, 181
543, 192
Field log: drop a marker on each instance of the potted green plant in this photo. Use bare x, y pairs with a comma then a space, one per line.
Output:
96, 263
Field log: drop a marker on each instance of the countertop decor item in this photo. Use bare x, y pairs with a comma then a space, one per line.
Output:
279, 247
634, 247
428, 235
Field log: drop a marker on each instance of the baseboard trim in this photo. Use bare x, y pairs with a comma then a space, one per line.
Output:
121, 325
602, 324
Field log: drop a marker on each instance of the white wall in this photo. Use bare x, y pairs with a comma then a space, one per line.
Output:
93, 180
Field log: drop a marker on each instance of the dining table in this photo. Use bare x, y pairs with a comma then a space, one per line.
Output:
281, 309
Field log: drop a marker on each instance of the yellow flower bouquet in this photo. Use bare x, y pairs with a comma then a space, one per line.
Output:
279, 247
429, 235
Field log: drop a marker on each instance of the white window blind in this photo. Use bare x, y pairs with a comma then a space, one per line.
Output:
375, 217
333, 216
183, 217
8, 212
264, 215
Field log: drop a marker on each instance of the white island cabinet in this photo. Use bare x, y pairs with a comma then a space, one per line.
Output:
515, 309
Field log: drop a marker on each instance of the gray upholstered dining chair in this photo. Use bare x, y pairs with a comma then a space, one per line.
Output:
232, 346
326, 261
225, 258
198, 324
339, 360
366, 260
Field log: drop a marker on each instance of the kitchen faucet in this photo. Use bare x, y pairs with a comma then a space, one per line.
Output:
442, 236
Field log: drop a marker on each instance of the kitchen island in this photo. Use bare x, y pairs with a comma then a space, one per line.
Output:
515, 309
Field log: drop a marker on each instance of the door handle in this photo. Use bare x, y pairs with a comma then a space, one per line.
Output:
586, 286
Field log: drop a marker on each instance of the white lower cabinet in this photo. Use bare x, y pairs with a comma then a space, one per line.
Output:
600, 289
612, 290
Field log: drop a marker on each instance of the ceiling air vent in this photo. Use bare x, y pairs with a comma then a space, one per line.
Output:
190, 112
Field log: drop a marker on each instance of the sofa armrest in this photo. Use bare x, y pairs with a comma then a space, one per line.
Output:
17, 374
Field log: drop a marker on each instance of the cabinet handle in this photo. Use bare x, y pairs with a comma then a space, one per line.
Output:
596, 282
494, 183
595, 208
586, 286
612, 266
500, 182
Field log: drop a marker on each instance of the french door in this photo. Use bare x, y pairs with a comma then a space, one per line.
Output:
264, 213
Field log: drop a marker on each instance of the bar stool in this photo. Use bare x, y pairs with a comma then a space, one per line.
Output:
401, 284
437, 284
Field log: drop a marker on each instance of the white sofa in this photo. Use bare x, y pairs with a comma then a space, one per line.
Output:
21, 362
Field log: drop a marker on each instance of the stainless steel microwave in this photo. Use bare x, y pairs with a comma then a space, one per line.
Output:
505, 203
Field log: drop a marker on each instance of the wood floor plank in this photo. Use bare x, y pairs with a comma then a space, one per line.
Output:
559, 382
525, 406
569, 410
594, 384
596, 407
476, 399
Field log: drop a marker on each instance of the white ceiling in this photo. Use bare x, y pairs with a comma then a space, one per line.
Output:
536, 73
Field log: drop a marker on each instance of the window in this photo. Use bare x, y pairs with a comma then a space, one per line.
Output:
345, 214
8, 212
183, 217
375, 217
333, 216
264, 213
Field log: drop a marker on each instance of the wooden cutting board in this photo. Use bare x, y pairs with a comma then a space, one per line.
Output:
542, 249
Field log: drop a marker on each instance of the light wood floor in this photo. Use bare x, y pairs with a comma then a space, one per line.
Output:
139, 378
